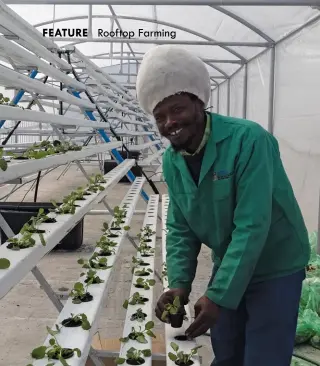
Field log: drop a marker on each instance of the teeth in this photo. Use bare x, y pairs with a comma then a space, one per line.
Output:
175, 132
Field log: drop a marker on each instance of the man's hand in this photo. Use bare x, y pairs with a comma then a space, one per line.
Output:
206, 315
168, 298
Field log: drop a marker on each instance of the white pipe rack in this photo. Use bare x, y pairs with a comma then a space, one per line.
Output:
24, 260
18, 170
150, 220
26, 115
77, 337
10, 77
151, 158
171, 333
22, 56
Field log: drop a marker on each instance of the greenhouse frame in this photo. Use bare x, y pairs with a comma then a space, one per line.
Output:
68, 106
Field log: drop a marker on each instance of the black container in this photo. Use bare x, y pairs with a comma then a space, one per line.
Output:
17, 214
176, 320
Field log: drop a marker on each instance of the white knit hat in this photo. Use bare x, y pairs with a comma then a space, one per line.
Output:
167, 70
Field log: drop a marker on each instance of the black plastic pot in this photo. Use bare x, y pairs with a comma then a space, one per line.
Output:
176, 320
17, 214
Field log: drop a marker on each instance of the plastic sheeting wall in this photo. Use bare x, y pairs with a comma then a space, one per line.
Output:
297, 116
296, 110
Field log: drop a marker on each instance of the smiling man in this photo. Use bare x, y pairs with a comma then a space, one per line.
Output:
229, 190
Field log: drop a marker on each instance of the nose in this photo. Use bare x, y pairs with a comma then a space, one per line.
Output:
170, 122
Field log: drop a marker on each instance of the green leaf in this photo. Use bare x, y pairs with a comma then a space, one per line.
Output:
63, 361
77, 351
85, 325
52, 342
120, 361
172, 356
149, 325
152, 282
3, 165
164, 315
124, 339
176, 301
125, 304
39, 353
150, 334
146, 352
4, 263
141, 339
43, 242
174, 346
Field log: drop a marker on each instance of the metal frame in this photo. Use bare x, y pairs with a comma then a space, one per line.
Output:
173, 2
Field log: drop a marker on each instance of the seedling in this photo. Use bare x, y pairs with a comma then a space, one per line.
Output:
138, 316
134, 356
54, 351
140, 335
143, 283
30, 227
4, 100
145, 234
106, 242
145, 250
137, 262
77, 321
4, 263
164, 271
92, 277
181, 358
174, 313
114, 230
24, 241
95, 262
68, 207
3, 163
95, 179
135, 299
120, 213
42, 218
143, 272
80, 294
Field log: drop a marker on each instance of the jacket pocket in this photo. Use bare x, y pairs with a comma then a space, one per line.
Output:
222, 189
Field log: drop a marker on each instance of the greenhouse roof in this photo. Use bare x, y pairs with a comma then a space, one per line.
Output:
225, 34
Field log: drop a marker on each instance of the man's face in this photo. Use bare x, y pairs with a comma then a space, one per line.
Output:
177, 118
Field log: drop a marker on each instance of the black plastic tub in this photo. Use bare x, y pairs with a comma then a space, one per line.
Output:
17, 214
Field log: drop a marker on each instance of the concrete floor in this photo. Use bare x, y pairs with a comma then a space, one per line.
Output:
26, 310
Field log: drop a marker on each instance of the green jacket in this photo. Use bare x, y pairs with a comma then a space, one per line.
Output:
244, 209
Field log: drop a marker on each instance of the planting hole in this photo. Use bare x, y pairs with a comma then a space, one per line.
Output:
181, 337
189, 363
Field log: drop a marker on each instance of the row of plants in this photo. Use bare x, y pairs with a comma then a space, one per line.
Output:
143, 328
26, 239
80, 293
44, 149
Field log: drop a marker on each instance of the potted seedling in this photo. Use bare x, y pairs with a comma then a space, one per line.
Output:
95, 262
145, 234
54, 351
24, 241
181, 358
80, 293
30, 228
114, 230
134, 357
3, 163
76, 321
42, 218
91, 277
104, 241
135, 299
174, 312
145, 250
144, 283
137, 262
140, 335
68, 207
138, 316
143, 272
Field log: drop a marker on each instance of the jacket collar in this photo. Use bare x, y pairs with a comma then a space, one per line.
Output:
219, 132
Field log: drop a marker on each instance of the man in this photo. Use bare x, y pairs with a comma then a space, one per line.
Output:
228, 189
